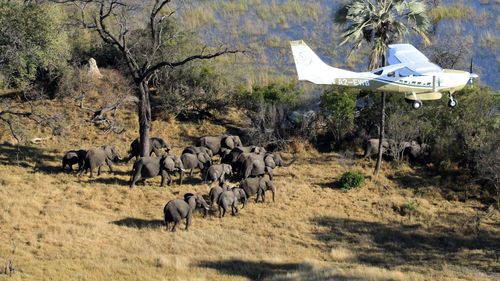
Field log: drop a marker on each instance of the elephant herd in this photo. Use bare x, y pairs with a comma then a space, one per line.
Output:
247, 164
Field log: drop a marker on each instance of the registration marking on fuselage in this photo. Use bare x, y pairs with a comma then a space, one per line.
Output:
353, 82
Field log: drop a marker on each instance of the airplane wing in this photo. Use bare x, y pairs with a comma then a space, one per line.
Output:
414, 60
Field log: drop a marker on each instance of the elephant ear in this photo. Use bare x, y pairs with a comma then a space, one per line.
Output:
202, 157
237, 141
168, 163
269, 160
229, 142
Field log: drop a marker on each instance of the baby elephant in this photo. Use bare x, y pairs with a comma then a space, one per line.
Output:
149, 167
218, 173
215, 192
73, 157
231, 198
178, 209
259, 186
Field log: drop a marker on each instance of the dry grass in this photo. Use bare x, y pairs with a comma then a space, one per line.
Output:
54, 226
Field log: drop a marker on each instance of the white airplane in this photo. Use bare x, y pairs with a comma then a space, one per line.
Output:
409, 72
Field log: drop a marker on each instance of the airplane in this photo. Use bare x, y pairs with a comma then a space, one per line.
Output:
409, 72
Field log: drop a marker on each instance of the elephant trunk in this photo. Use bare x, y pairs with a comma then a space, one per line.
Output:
273, 190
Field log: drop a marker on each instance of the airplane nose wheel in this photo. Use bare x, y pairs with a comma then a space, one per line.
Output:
452, 102
416, 104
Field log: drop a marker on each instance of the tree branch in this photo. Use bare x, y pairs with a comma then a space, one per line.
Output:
162, 64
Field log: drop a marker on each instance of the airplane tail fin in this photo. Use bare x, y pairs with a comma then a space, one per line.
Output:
311, 68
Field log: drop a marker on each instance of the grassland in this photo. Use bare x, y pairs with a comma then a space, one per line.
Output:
54, 226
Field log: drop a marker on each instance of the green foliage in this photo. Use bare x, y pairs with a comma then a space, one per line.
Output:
351, 179
31, 40
286, 94
338, 108
410, 206
197, 89
381, 23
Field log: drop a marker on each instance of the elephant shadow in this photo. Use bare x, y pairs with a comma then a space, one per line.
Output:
116, 181
254, 270
139, 223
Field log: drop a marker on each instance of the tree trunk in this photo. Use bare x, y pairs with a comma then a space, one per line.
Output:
381, 136
382, 127
144, 118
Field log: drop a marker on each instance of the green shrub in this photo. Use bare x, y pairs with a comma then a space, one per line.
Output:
351, 179
286, 94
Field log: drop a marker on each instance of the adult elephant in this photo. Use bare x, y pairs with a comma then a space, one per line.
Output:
156, 146
96, 157
237, 156
258, 186
371, 147
257, 165
215, 143
197, 149
149, 167
193, 161
176, 210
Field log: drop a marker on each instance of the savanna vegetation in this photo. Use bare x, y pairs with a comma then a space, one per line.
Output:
181, 70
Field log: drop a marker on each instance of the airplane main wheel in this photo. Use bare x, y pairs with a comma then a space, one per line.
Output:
452, 103
417, 104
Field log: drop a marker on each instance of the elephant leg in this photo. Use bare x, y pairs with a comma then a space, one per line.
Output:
269, 171
175, 226
163, 175
81, 172
234, 209
259, 194
181, 175
98, 171
134, 179
169, 179
92, 173
110, 165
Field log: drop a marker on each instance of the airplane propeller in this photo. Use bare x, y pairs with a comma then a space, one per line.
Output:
472, 74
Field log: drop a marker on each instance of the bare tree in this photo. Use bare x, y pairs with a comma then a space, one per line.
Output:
111, 19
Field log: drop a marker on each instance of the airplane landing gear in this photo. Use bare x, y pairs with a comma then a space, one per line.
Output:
452, 102
416, 104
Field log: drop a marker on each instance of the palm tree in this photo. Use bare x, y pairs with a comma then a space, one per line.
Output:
380, 23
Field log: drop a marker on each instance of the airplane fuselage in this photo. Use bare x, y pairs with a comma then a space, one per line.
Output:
446, 81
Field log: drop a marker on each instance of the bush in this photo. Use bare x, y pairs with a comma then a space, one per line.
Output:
285, 94
338, 107
351, 179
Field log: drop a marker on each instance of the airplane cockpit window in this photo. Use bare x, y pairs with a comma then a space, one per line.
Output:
379, 72
391, 74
